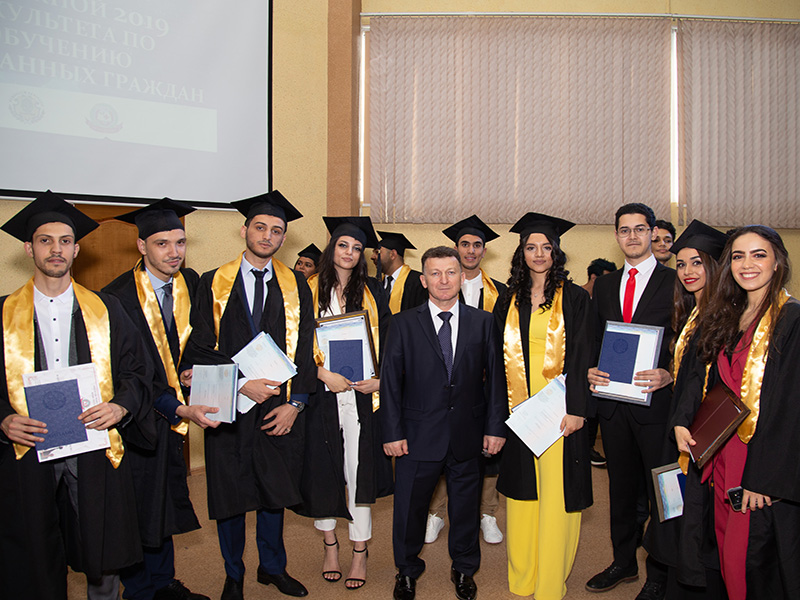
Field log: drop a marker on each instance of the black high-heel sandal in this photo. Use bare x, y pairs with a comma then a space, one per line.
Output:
335, 575
357, 580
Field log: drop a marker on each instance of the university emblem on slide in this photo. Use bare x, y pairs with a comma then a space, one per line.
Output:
26, 107
103, 118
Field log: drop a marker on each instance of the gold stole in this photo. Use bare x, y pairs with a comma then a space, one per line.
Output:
490, 292
555, 348
367, 303
221, 287
396, 298
152, 314
753, 375
19, 351
680, 345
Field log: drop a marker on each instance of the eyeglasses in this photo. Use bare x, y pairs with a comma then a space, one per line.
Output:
639, 230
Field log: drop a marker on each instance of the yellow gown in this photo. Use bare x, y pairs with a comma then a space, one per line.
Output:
541, 537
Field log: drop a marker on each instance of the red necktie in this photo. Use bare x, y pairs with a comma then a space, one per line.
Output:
630, 289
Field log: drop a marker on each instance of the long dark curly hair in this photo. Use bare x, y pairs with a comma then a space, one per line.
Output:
353, 291
719, 322
520, 282
684, 300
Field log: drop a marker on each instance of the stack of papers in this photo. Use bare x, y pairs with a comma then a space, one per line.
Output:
537, 420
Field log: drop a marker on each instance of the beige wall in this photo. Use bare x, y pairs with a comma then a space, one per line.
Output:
301, 153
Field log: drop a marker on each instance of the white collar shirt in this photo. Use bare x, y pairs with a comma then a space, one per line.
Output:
644, 271
54, 316
437, 322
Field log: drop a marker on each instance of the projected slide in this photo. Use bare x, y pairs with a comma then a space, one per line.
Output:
135, 98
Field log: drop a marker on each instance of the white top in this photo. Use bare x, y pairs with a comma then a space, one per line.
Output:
437, 323
394, 277
645, 270
55, 322
471, 288
249, 280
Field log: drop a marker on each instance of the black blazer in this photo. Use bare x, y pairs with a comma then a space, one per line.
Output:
654, 308
417, 402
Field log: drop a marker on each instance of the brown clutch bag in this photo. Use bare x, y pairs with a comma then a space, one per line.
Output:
720, 413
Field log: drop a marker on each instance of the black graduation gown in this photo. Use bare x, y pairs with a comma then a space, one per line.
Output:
669, 542
39, 532
323, 487
245, 468
491, 464
517, 477
771, 467
162, 495
413, 292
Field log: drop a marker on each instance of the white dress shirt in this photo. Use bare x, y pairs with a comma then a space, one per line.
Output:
54, 316
249, 280
394, 277
645, 270
471, 289
437, 323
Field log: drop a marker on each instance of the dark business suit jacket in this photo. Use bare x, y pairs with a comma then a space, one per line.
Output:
419, 404
654, 308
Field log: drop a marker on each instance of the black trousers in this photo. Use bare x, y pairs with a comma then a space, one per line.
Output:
414, 485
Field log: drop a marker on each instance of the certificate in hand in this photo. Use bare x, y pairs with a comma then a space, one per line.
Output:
89, 393
537, 420
627, 349
58, 405
669, 483
340, 338
215, 386
262, 359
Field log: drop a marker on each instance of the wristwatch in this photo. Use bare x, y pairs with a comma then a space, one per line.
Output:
298, 405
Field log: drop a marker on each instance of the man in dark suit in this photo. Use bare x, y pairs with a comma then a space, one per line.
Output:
633, 436
437, 415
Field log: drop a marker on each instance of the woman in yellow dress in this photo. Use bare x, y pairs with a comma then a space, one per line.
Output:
548, 330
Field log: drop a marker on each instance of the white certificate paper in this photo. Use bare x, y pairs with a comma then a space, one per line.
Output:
537, 420
90, 396
262, 359
215, 386
351, 326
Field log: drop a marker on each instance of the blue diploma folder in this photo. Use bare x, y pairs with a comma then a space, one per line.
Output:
58, 405
618, 355
347, 358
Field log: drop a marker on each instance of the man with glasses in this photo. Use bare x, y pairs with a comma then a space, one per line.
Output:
633, 436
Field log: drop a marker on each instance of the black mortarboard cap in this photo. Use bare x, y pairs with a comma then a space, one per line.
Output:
470, 226
700, 236
272, 203
48, 208
532, 222
395, 241
164, 215
359, 228
312, 252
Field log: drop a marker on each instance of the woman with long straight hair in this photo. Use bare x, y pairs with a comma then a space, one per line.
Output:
345, 469
686, 544
749, 339
548, 330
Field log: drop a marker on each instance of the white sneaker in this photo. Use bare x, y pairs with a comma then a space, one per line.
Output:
491, 532
435, 525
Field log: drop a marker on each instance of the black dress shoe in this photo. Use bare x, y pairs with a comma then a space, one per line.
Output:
652, 590
465, 585
611, 578
177, 591
232, 589
285, 583
404, 587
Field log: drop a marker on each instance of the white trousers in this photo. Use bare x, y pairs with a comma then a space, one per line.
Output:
360, 528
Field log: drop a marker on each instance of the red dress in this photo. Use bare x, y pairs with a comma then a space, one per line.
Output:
732, 528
